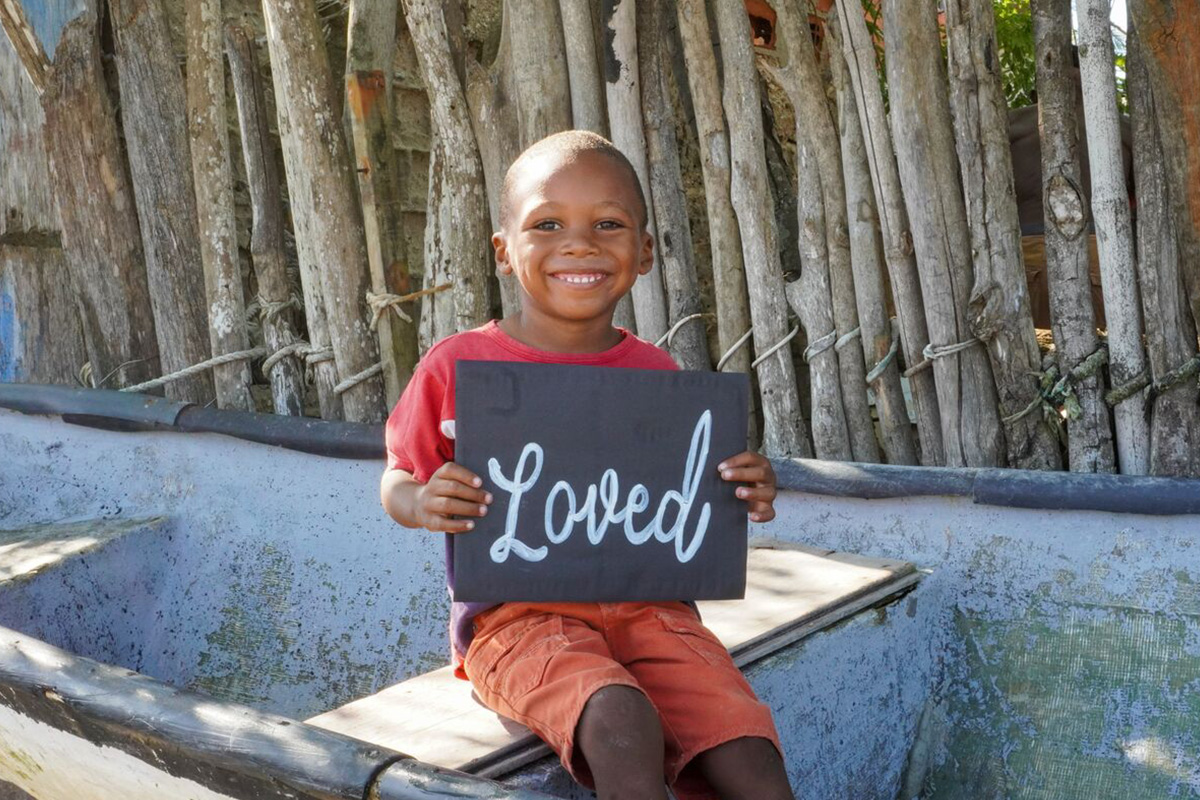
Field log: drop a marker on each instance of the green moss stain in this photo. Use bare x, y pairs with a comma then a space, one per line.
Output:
1074, 701
16, 762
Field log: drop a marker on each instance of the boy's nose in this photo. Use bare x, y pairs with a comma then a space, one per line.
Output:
579, 241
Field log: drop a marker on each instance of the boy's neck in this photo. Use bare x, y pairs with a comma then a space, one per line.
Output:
561, 336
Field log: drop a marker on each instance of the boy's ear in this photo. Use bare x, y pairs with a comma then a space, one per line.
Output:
646, 258
500, 244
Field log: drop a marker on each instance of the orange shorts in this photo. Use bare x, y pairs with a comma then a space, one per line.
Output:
539, 663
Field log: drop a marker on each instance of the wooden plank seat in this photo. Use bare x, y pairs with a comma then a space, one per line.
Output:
791, 592
31, 550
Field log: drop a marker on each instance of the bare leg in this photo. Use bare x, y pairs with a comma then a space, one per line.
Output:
746, 769
620, 737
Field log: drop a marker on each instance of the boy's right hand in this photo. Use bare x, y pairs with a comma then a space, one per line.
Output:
451, 492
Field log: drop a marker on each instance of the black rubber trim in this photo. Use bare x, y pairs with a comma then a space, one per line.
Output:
1012, 488
128, 411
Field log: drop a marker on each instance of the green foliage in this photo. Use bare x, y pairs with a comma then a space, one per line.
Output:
1014, 35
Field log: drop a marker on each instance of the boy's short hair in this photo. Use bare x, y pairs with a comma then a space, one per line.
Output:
568, 146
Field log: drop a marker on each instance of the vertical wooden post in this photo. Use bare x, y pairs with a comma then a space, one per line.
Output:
1089, 440
783, 430
817, 139
1170, 330
583, 66
998, 311
920, 117
1170, 43
729, 274
866, 259
325, 213
899, 256
1114, 235
154, 116
462, 211
214, 201
370, 52
286, 373
687, 342
623, 92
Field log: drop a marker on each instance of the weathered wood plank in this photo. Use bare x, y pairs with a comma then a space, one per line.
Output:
41, 339
899, 256
998, 310
1114, 234
922, 130
324, 203
101, 238
213, 176
154, 119
784, 434
267, 254
622, 86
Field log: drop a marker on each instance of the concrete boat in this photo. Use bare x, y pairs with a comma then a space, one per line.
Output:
207, 604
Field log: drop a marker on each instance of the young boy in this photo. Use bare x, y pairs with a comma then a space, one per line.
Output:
632, 696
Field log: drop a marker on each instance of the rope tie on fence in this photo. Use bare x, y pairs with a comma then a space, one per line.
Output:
187, 372
380, 302
1056, 396
847, 339
1185, 371
670, 334
933, 352
1119, 394
733, 348
775, 347
358, 377
271, 310
820, 345
878, 370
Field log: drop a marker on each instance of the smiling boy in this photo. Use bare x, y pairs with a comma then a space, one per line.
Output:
632, 696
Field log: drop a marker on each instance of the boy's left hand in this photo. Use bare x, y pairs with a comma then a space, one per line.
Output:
754, 469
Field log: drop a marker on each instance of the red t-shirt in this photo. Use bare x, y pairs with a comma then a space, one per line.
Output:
419, 443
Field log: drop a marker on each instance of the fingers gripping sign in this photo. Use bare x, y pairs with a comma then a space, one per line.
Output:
753, 469
450, 499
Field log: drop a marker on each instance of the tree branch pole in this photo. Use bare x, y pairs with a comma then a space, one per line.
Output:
325, 212
266, 227
1114, 235
899, 256
1089, 439
213, 179
1170, 331
784, 435
817, 142
102, 243
1170, 44
623, 93
154, 116
462, 210
866, 259
998, 309
686, 340
583, 66
370, 53
920, 117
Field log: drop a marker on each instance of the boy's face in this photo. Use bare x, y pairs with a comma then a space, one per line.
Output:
574, 238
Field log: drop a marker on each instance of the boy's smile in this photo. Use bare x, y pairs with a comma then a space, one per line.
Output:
576, 241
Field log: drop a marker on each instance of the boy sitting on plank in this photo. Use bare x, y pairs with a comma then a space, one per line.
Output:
632, 696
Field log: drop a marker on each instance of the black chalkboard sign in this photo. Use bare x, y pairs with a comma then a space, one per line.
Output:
605, 483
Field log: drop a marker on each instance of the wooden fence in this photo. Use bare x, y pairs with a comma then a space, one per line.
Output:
282, 205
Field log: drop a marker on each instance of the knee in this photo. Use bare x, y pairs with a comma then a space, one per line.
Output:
620, 717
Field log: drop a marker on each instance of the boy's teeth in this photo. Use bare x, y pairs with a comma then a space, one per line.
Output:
580, 278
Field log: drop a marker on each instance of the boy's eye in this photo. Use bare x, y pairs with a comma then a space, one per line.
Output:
609, 225
547, 225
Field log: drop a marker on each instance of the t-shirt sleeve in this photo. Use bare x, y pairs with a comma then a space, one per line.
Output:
415, 442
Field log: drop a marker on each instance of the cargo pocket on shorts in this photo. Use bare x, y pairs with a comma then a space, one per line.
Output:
520, 655
698, 638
